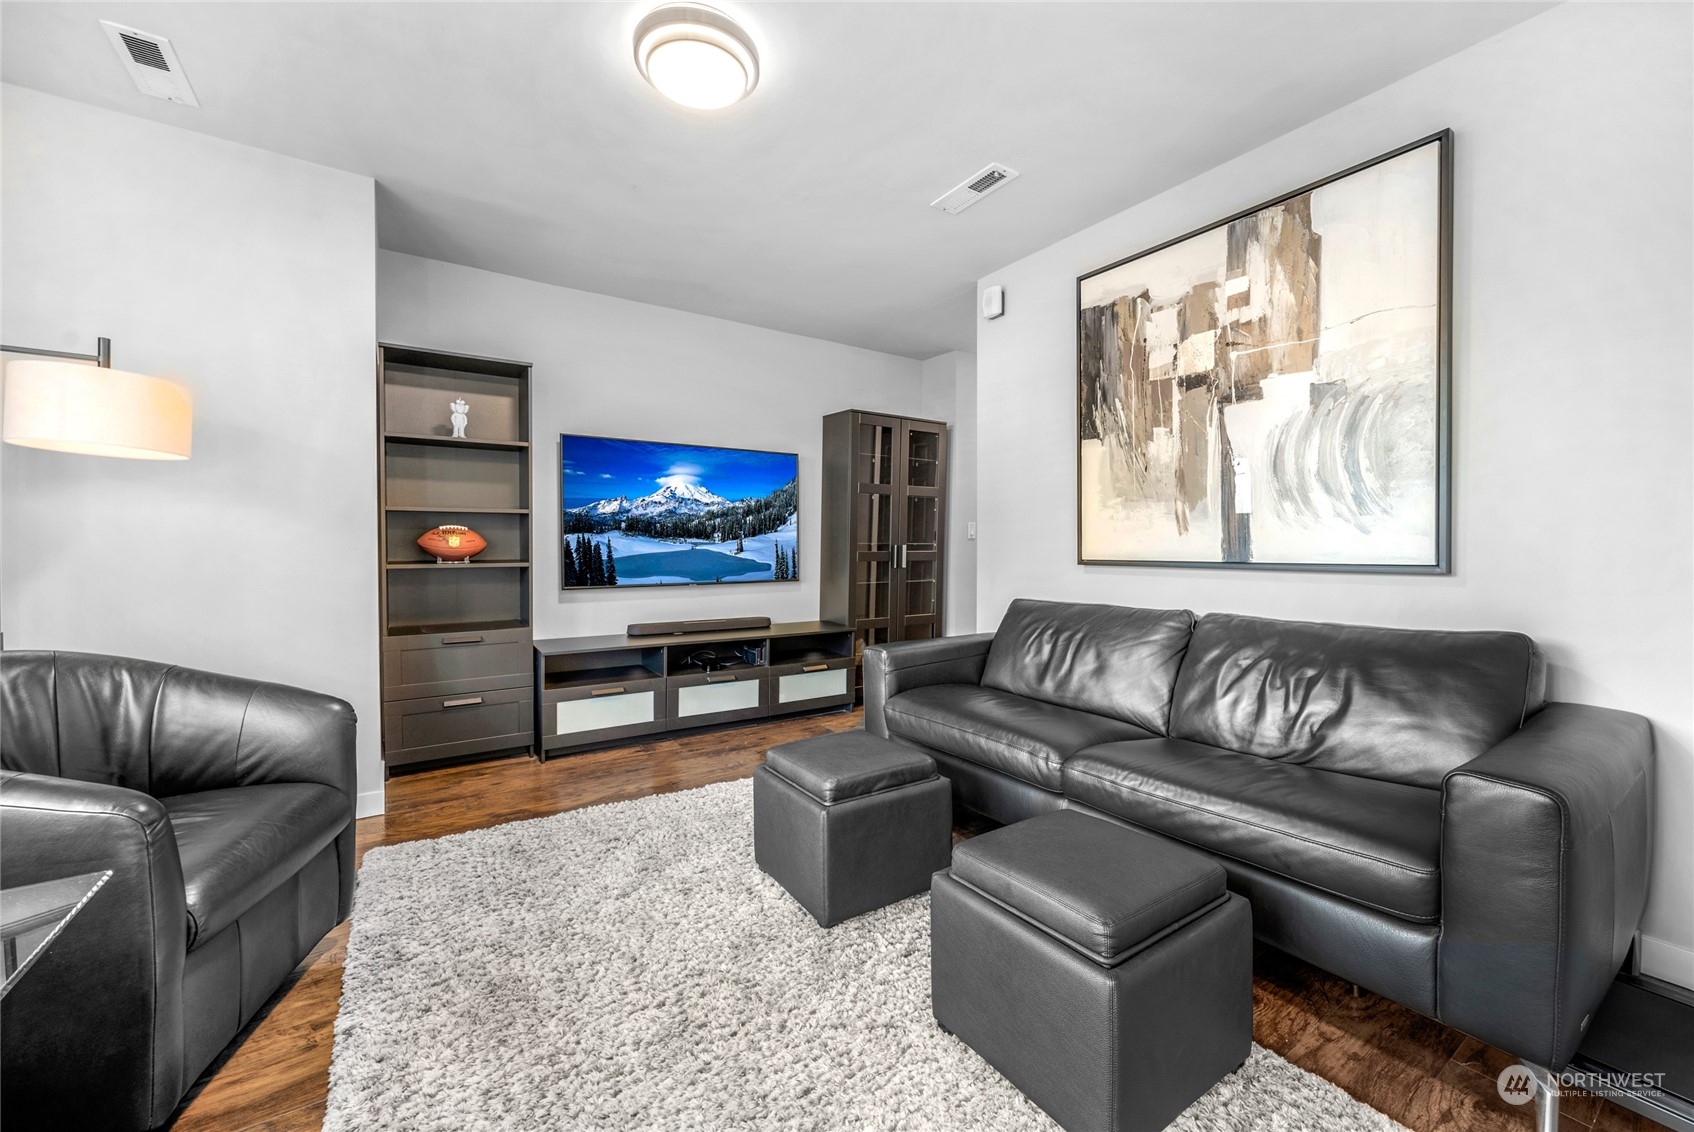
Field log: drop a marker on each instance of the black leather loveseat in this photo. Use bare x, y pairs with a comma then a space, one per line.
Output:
1401, 807
223, 808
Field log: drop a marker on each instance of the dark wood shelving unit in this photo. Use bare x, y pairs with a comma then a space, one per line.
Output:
884, 536
456, 637
591, 691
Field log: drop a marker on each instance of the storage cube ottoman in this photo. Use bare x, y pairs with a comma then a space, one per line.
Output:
1106, 972
850, 822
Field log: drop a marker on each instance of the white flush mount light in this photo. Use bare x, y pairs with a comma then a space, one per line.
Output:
696, 56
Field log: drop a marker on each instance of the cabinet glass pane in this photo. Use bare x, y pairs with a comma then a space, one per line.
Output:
924, 459
872, 580
867, 637
923, 522
875, 460
922, 593
871, 521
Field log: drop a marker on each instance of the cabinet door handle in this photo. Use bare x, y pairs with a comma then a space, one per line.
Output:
721, 679
462, 701
618, 691
814, 668
471, 640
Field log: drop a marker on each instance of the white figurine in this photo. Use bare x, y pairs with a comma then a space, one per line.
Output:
460, 417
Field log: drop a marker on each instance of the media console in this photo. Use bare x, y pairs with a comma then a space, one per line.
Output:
591, 691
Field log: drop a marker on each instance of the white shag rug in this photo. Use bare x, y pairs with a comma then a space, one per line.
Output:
628, 966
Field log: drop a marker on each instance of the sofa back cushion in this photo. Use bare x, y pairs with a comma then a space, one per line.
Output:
1401, 705
1106, 659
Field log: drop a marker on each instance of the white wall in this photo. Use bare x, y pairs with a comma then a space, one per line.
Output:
1572, 381
613, 367
949, 394
251, 278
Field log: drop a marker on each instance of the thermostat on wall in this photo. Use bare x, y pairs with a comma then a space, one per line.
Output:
993, 302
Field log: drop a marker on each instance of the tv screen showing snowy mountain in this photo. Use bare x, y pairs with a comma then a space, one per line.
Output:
644, 514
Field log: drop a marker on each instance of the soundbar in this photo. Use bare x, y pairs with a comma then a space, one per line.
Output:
711, 625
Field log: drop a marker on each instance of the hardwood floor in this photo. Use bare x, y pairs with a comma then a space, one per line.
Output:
275, 1078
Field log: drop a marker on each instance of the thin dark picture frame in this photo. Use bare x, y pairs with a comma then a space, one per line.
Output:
1443, 563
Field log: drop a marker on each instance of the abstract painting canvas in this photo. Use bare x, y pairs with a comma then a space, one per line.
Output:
1271, 391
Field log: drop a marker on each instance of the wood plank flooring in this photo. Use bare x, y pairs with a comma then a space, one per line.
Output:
275, 1078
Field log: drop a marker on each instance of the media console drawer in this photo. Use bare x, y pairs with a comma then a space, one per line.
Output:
717, 697
604, 711
795, 687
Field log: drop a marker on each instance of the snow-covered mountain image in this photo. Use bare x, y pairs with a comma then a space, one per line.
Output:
638, 513
672, 498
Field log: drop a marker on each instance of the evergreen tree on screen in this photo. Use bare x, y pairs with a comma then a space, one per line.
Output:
611, 565
596, 565
568, 575
794, 561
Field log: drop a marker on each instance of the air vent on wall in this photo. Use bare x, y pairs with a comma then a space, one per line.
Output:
151, 62
963, 196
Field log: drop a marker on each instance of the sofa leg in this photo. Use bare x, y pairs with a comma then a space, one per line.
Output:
1546, 1098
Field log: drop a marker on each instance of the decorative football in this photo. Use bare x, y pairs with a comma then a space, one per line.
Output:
450, 543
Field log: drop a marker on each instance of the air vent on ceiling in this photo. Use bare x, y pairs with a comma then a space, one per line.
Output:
151, 62
963, 196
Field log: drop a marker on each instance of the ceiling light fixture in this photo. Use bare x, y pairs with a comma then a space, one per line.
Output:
696, 56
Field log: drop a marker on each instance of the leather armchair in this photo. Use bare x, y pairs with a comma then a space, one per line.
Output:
224, 808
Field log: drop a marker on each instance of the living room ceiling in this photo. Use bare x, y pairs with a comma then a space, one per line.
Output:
519, 138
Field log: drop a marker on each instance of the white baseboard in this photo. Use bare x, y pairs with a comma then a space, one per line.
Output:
370, 804
1668, 961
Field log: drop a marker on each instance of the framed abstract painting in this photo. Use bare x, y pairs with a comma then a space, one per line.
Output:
1272, 391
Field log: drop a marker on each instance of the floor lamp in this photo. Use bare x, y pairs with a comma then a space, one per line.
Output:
66, 405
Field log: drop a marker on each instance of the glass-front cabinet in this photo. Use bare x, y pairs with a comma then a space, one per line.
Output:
884, 526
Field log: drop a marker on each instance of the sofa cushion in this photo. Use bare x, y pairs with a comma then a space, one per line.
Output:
1373, 842
1104, 659
237, 845
1025, 738
1402, 705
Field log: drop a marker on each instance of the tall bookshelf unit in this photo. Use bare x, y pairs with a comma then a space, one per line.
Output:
457, 673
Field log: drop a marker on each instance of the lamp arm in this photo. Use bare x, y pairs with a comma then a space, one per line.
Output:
101, 357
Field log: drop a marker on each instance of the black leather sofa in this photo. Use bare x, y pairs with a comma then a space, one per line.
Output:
224, 808
1400, 807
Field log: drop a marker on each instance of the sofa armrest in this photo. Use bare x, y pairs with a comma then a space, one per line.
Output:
92, 1034
1545, 847
904, 665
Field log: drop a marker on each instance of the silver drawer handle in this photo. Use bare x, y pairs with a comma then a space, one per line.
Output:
814, 668
461, 640
463, 701
721, 679
618, 691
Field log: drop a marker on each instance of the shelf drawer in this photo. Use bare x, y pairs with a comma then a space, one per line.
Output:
798, 687
603, 712
446, 664
696, 700
441, 727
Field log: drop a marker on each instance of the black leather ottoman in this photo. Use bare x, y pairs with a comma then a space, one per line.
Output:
1106, 972
850, 822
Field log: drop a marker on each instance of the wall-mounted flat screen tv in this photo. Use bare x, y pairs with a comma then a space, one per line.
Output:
640, 513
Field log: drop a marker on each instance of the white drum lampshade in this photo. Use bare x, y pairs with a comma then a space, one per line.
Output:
68, 407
